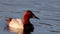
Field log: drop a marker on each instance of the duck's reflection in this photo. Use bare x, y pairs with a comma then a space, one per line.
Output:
19, 31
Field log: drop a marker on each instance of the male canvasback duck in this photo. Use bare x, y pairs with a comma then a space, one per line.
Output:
23, 23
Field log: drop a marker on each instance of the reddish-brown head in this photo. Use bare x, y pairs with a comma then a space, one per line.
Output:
27, 15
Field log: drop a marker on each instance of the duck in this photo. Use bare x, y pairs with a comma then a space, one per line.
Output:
23, 23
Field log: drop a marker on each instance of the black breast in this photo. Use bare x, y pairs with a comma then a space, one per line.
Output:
28, 28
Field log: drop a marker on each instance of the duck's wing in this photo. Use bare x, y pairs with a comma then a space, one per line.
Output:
16, 23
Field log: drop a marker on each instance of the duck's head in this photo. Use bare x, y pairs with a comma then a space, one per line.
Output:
29, 14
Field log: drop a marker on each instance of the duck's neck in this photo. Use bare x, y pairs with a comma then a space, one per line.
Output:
26, 20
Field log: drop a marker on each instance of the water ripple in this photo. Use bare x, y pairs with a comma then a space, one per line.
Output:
9, 12
8, 4
46, 24
54, 31
52, 19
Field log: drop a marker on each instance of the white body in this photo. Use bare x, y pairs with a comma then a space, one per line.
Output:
16, 23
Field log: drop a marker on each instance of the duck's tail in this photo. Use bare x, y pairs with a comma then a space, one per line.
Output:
8, 20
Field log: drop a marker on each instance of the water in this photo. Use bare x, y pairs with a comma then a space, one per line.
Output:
47, 10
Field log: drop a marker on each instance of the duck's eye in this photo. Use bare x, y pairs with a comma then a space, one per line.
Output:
33, 16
